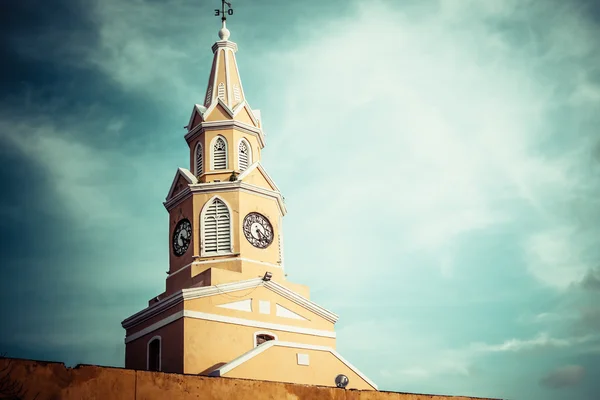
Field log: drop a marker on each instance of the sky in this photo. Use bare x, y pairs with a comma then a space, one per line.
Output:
440, 162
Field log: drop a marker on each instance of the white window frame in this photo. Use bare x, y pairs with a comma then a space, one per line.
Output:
262, 333
212, 153
198, 147
239, 154
203, 253
159, 352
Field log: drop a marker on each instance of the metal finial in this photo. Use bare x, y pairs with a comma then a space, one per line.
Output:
224, 32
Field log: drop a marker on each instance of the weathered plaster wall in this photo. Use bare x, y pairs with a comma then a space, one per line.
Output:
51, 381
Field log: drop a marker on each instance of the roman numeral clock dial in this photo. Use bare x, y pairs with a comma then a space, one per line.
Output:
258, 230
182, 236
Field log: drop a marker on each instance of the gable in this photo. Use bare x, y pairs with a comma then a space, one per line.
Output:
256, 177
218, 114
295, 363
182, 179
196, 120
266, 303
244, 116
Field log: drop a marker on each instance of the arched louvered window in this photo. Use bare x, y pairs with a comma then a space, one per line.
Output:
216, 226
221, 91
244, 155
199, 160
219, 153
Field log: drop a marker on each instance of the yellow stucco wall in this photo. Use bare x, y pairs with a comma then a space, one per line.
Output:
280, 364
209, 344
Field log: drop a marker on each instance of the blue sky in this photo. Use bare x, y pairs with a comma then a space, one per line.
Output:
440, 162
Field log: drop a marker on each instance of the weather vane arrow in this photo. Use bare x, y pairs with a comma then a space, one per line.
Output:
222, 12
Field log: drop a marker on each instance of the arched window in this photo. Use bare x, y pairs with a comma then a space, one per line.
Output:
199, 159
244, 155
219, 153
216, 227
154, 350
262, 337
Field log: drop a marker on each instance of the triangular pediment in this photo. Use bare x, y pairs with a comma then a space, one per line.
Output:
245, 115
196, 118
183, 178
257, 175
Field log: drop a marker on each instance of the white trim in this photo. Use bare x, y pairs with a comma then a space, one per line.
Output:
155, 326
203, 214
238, 72
220, 260
227, 78
267, 345
258, 165
180, 269
262, 333
229, 320
187, 175
227, 186
250, 158
257, 324
264, 307
281, 311
235, 259
302, 359
241, 305
212, 153
301, 301
226, 124
159, 353
198, 146
204, 291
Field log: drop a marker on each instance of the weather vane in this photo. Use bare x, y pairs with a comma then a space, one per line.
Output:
222, 12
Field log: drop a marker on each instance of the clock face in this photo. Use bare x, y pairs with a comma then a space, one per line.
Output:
258, 230
182, 236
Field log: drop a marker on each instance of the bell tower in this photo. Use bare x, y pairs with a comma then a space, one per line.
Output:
225, 210
227, 308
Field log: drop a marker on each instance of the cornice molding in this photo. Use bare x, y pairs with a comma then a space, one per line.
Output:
224, 44
210, 187
204, 291
227, 124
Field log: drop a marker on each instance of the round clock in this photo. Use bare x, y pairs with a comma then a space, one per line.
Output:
182, 236
258, 230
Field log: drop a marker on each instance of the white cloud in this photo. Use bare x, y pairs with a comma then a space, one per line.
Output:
412, 131
541, 341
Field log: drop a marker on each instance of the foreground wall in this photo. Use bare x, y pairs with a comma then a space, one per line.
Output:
50, 381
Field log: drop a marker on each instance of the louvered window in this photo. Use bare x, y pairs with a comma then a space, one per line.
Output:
236, 92
220, 154
199, 160
217, 224
221, 91
208, 96
244, 155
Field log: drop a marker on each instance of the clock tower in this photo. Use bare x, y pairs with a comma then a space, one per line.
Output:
227, 308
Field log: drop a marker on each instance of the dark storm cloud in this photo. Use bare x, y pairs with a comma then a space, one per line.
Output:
36, 37
569, 375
